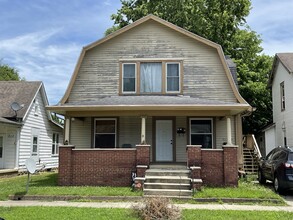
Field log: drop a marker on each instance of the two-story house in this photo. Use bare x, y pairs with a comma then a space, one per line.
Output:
150, 93
281, 83
26, 127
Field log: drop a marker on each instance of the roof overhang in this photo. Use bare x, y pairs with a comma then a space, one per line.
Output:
224, 109
7, 121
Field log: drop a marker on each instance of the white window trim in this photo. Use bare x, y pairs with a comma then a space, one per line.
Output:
135, 80
55, 143
105, 119
35, 133
166, 77
198, 119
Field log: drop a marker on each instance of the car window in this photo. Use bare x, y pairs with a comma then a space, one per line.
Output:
281, 155
290, 157
270, 155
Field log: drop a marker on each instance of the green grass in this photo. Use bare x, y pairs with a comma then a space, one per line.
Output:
53, 213
46, 184
73, 213
245, 189
232, 215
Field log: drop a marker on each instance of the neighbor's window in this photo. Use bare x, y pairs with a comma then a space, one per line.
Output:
55, 143
35, 145
282, 91
151, 77
105, 133
201, 132
129, 77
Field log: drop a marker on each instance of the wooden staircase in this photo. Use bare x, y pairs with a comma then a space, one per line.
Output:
251, 154
168, 181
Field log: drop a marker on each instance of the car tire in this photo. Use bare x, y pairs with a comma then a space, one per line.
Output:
277, 186
261, 178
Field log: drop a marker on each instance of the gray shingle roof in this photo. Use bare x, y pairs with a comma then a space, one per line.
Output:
287, 60
149, 100
21, 92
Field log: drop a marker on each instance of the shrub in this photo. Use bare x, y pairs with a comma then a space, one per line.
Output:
157, 208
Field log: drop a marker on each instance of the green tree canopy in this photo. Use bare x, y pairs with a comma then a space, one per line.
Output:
8, 73
223, 22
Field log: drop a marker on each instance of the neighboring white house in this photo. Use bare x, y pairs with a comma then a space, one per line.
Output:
281, 83
26, 127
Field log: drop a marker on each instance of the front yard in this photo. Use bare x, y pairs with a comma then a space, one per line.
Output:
46, 184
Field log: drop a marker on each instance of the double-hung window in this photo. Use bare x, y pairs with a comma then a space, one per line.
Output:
105, 133
201, 132
151, 77
55, 143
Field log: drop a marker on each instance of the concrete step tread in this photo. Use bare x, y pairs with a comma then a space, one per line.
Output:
167, 177
167, 171
167, 190
168, 184
165, 196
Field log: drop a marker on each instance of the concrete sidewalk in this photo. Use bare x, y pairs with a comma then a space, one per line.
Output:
25, 203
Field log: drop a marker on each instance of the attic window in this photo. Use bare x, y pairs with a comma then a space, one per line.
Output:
36, 109
151, 77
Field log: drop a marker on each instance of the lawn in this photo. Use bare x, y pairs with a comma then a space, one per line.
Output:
245, 189
46, 184
104, 213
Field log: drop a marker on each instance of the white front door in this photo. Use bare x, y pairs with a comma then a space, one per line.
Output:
164, 140
1, 151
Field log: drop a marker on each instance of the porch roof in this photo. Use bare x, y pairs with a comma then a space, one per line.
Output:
126, 103
7, 121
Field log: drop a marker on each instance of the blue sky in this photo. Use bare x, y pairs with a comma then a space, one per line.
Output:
43, 38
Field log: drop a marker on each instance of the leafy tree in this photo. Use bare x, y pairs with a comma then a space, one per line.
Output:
8, 73
223, 22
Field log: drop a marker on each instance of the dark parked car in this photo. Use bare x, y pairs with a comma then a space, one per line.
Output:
277, 166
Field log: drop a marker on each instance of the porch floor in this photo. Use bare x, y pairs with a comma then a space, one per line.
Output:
169, 166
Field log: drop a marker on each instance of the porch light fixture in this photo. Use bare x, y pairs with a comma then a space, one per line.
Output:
181, 131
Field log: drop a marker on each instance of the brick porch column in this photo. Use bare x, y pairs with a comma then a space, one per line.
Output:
230, 165
142, 164
193, 155
65, 165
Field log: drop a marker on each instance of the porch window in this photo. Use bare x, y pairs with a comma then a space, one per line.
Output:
201, 132
282, 92
154, 77
55, 143
129, 77
105, 133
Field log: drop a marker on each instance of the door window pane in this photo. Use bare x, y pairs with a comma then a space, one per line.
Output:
151, 77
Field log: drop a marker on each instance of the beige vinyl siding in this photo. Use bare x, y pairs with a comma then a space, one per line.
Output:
181, 141
204, 75
221, 131
41, 123
81, 132
129, 131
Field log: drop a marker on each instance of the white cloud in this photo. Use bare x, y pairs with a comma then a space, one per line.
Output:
36, 59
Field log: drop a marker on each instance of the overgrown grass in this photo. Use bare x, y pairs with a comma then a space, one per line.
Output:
46, 184
53, 213
232, 215
245, 189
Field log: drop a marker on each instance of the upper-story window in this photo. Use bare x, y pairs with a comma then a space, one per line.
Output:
282, 92
151, 77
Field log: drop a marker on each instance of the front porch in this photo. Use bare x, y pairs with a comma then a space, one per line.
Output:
115, 167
